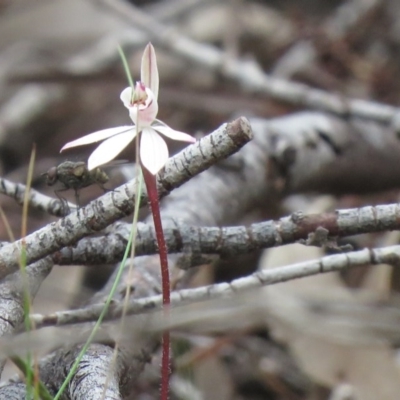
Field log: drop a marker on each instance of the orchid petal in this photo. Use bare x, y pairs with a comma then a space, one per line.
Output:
153, 150
149, 70
110, 148
96, 137
173, 134
126, 97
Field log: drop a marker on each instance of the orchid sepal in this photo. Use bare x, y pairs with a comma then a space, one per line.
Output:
153, 151
110, 148
149, 70
96, 137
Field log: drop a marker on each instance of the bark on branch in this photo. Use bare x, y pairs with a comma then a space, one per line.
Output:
309, 229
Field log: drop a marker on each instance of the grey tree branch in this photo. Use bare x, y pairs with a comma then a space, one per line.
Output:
314, 152
13, 391
89, 380
312, 229
387, 255
114, 205
36, 199
92, 371
87, 383
248, 73
12, 295
338, 262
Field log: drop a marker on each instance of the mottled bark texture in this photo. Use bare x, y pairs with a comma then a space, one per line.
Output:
311, 229
12, 292
36, 199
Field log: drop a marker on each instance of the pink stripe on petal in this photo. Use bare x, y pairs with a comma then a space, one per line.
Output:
174, 135
97, 136
110, 148
153, 150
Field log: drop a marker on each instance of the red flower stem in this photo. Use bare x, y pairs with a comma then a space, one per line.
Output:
151, 185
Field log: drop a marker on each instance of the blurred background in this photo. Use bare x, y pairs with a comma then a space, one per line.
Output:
61, 77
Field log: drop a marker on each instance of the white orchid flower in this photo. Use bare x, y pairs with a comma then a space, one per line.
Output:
143, 108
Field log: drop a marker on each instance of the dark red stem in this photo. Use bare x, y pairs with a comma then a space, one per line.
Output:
151, 185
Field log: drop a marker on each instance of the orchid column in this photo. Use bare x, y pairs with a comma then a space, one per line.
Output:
141, 101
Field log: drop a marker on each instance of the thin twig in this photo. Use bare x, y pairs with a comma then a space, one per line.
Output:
338, 262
